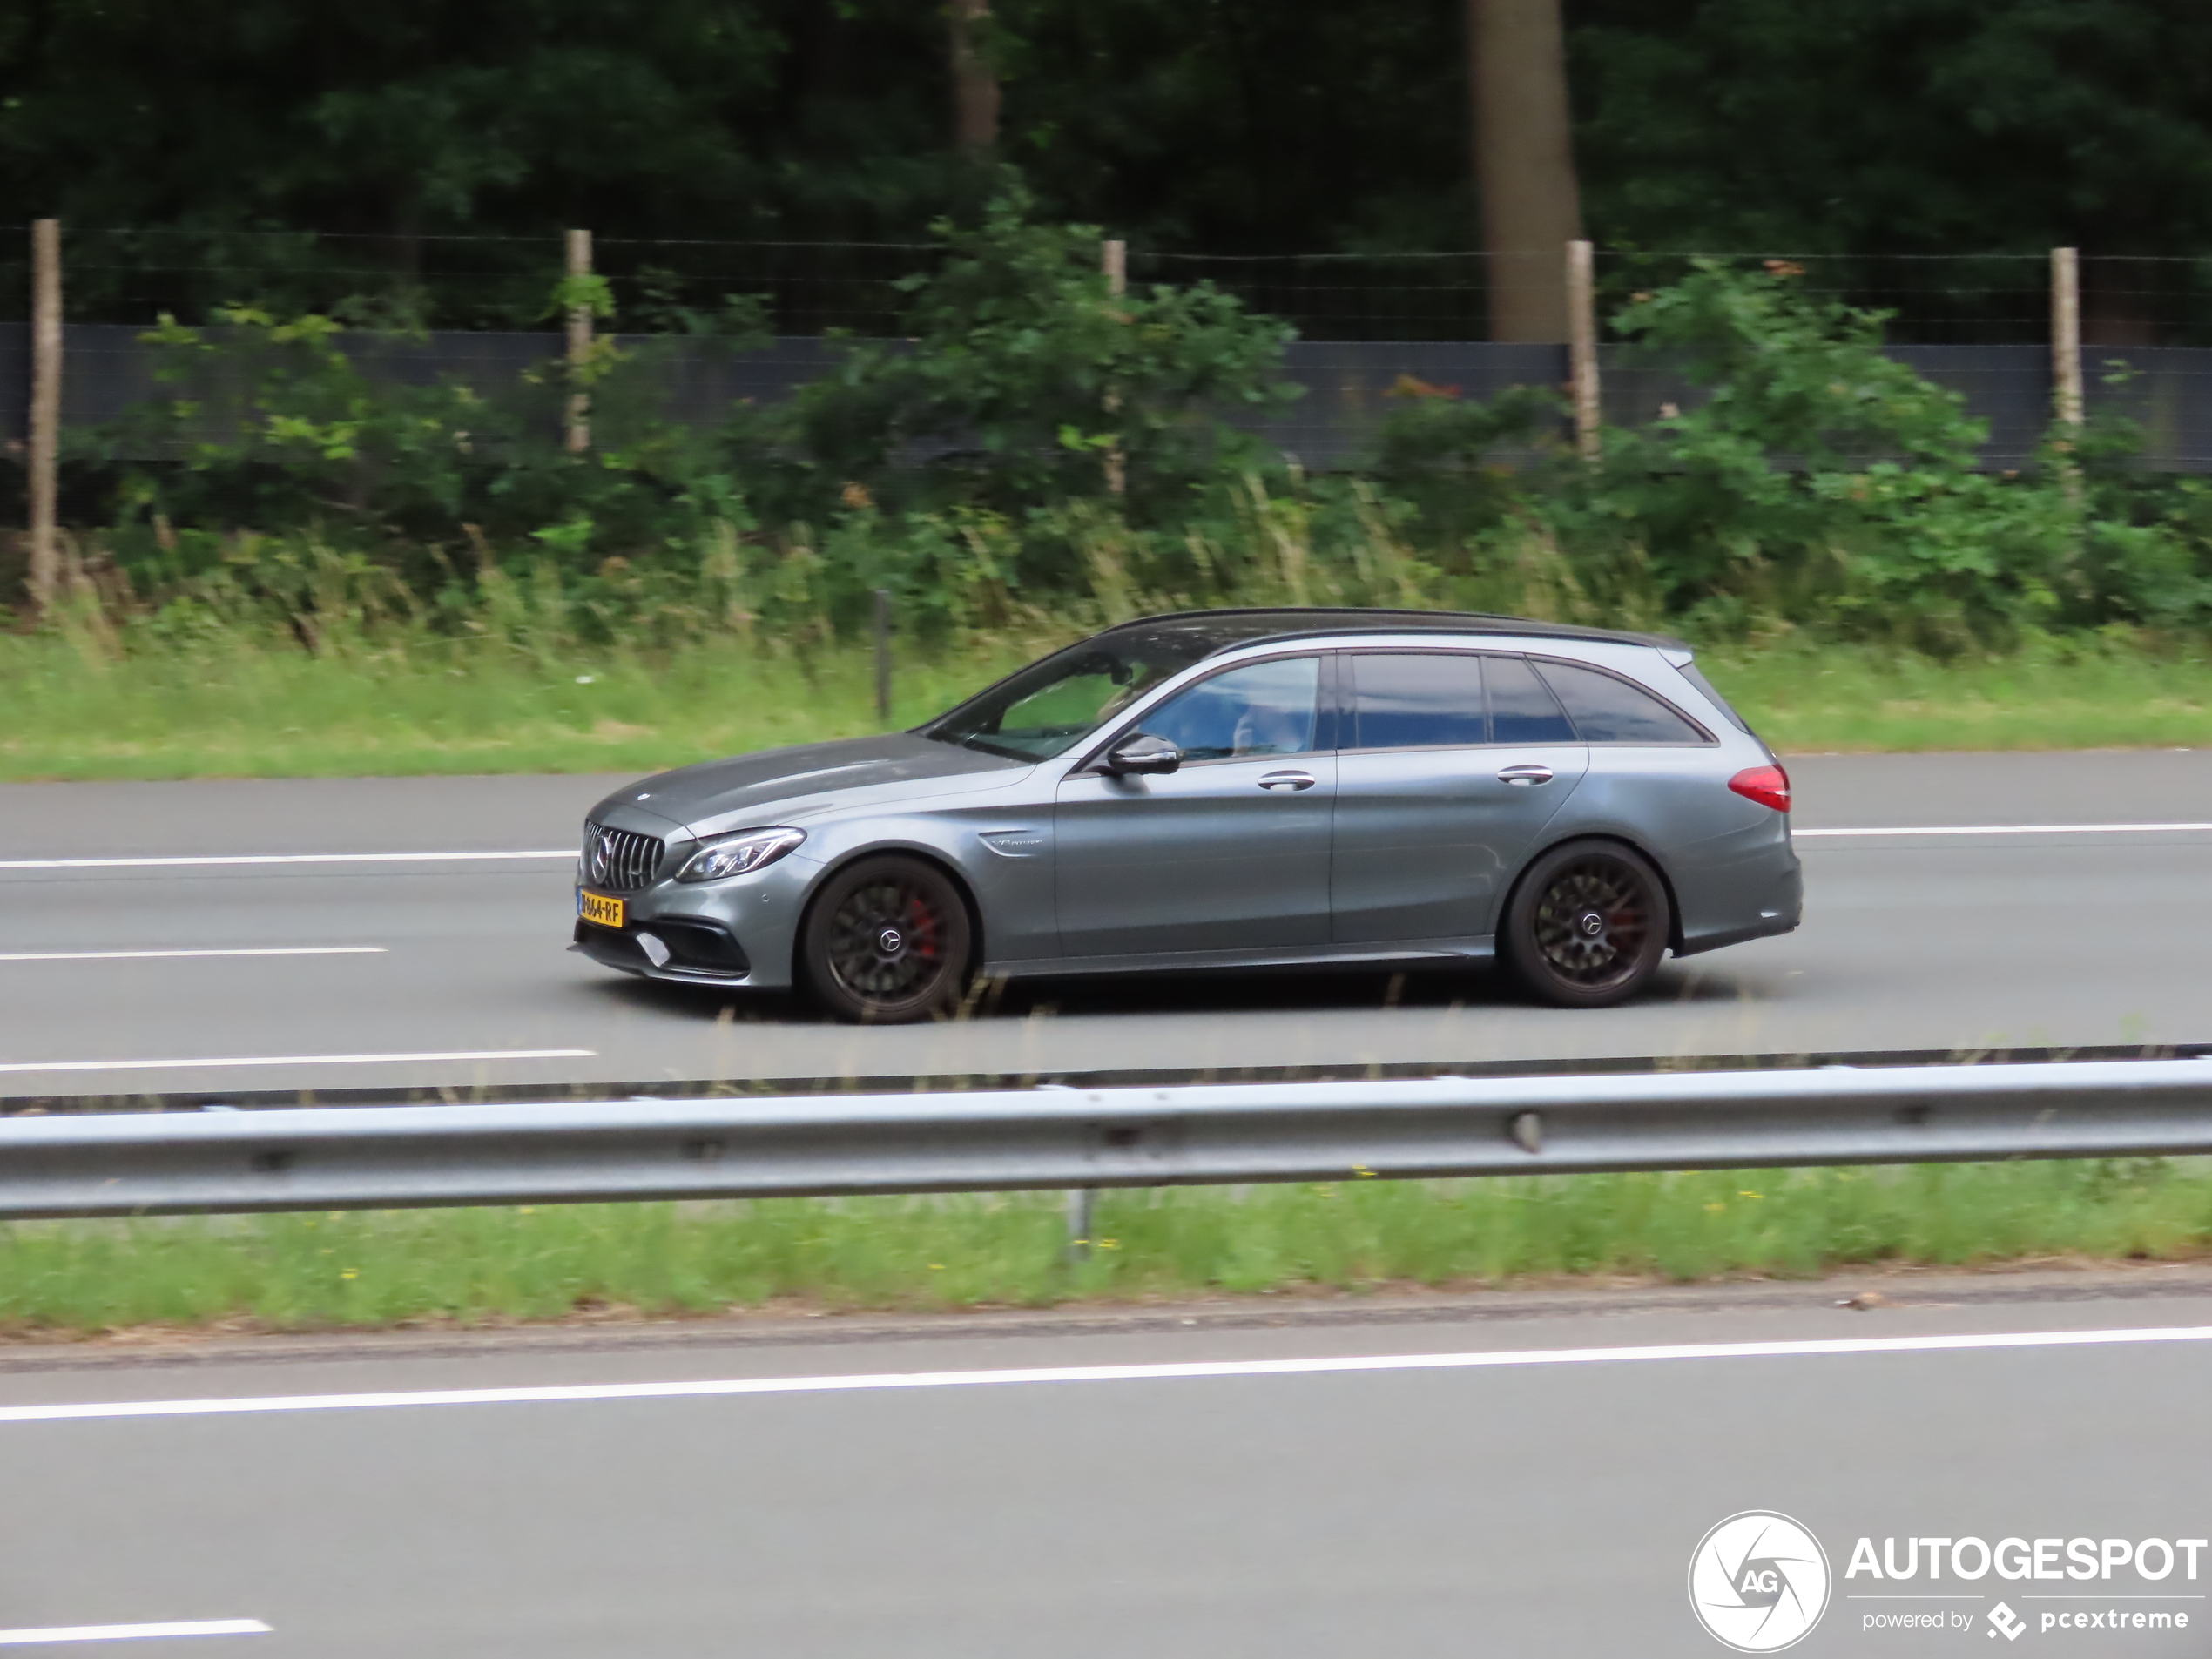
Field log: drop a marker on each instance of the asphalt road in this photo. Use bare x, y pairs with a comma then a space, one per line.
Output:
1910, 941
1547, 1505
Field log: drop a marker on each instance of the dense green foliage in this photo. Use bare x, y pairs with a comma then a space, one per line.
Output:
1943, 125
1022, 381
1807, 481
1819, 478
968, 463
1948, 126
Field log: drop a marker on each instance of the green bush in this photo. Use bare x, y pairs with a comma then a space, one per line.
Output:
1039, 454
1815, 482
1819, 477
1023, 383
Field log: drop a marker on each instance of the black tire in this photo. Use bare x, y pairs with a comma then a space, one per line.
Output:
887, 940
1587, 926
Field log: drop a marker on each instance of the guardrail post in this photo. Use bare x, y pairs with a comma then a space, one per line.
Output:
1082, 1208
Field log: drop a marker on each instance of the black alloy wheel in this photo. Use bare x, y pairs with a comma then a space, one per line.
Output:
1587, 926
886, 941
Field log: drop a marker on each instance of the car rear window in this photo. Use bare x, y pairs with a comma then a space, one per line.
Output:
1690, 672
1609, 710
1415, 699
1521, 711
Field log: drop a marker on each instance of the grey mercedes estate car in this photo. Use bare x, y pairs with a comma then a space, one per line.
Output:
1224, 790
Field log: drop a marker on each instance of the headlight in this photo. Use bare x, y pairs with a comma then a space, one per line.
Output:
736, 854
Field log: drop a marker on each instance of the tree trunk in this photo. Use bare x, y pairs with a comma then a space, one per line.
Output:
976, 85
1524, 164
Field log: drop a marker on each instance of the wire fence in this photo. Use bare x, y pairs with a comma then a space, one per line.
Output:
680, 285
136, 276
1966, 299
484, 310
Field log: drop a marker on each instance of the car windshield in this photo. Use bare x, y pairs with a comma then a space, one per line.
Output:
1052, 705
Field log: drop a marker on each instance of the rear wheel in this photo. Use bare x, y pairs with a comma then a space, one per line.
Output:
1587, 926
886, 941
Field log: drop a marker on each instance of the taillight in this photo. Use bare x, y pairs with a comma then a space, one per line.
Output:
1769, 785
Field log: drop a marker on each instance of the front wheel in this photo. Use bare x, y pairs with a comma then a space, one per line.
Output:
1587, 926
886, 942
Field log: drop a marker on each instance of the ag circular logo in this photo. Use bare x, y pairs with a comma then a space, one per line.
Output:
1759, 1582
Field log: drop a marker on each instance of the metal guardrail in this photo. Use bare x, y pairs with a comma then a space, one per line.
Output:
568, 1151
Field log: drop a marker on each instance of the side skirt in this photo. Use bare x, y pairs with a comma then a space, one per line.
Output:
1414, 954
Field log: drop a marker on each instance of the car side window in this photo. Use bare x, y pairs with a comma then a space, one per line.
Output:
1606, 710
1270, 708
1521, 710
1415, 699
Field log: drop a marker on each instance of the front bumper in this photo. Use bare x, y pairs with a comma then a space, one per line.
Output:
736, 932
696, 950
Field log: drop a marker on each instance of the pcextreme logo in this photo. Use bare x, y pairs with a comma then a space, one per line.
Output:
1759, 1582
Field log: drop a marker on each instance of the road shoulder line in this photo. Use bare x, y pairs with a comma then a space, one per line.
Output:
1175, 1370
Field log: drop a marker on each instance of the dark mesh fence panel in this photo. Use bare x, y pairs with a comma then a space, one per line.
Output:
1369, 324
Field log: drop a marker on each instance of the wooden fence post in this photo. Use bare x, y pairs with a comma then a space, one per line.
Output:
579, 438
1581, 324
1112, 259
2066, 336
2067, 407
45, 408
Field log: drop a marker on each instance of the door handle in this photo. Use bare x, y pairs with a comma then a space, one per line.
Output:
1526, 776
1275, 781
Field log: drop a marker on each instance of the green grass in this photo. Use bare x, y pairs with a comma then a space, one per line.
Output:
249, 710
441, 707
1818, 699
304, 1273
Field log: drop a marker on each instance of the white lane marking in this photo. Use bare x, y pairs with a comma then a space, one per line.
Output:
159, 955
2014, 829
297, 1060
1093, 1374
271, 857
135, 1632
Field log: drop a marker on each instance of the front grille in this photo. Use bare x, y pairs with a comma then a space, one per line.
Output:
620, 861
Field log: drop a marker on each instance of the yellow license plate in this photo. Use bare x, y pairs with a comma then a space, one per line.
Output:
594, 906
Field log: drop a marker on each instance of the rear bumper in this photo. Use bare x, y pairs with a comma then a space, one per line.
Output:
1764, 896
1763, 929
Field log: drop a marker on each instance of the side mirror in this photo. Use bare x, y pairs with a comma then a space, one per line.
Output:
1141, 753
